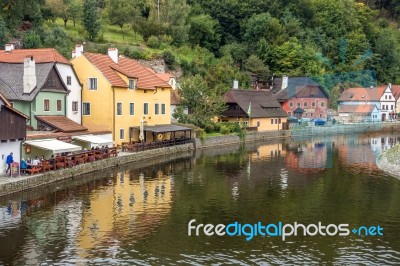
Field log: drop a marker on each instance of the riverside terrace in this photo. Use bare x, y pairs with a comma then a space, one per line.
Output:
71, 160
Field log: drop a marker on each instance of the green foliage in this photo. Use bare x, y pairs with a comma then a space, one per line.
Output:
204, 32
3, 32
91, 20
203, 102
31, 40
229, 127
58, 39
169, 59
153, 42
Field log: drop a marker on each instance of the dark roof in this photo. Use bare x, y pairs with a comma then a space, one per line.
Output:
298, 110
263, 103
11, 80
299, 87
356, 108
164, 128
61, 123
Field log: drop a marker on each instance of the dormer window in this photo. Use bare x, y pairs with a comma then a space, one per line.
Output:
131, 84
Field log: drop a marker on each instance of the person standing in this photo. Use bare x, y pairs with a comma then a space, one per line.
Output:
9, 161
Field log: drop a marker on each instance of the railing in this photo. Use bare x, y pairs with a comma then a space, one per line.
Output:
61, 162
136, 147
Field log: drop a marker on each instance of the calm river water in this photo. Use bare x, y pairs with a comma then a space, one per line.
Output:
139, 214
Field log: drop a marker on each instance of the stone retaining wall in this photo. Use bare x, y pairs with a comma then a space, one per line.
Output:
389, 162
53, 176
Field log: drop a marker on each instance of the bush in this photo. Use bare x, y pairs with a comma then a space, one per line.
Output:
209, 128
169, 59
134, 53
153, 42
31, 40
224, 130
229, 127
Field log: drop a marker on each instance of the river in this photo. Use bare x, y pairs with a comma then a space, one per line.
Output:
139, 213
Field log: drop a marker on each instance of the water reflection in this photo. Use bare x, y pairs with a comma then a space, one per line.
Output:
139, 215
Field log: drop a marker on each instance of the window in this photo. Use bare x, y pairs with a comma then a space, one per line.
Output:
276, 120
313, 104
163, 108
391, 107
59, 106
46, 104
68, 80
385, 97
121, 134
298, 104
75, 107
119, 108
320, 115
291, 104
92, 84
258, 123
156, 108
131, 108
305, 104
272, 121
86, 109
131, 84
145, 108
279, 121
322, 104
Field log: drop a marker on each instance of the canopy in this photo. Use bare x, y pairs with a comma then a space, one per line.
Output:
94, 140
56, 146
164, 128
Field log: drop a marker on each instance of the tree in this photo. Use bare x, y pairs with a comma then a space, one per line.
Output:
173, 15
31, 40
91, 20
204, 32
3, 32
204, 103
75, 10
255, 65
120, 12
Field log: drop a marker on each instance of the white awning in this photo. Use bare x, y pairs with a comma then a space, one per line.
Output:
56, 146
94, 140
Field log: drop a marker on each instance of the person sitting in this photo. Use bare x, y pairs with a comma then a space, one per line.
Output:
23, 164
35, 161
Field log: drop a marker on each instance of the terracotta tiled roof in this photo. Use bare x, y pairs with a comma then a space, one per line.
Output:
147, 79
362, 94
164, 76
61, 123
43, 55
356, 108
396, 91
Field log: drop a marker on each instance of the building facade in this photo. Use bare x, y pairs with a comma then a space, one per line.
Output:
255, 109
119, 92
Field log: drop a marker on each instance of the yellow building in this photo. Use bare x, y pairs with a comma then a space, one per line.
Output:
118, 92
254, 108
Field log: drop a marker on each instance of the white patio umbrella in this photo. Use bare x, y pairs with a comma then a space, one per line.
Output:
141, 133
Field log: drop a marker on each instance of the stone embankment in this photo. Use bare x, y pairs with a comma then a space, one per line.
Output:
389, 161
11, 185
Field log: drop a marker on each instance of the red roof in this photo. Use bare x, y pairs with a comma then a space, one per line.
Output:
61, 123
363, 94
357, 108
147, 79
43, 55
396, 91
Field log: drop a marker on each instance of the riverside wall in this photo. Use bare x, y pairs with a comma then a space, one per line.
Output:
389, 162
23, 183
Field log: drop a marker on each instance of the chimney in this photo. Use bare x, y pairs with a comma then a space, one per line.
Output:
78, 50
235, 85
113, 54
73, 54
285, 81
9, 47
29, 78
390, 85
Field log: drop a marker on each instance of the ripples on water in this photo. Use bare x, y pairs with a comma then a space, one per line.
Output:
139, 216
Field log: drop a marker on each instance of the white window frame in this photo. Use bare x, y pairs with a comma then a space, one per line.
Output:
90, 84
61, 105
83, 109
119, 104
163, 109
121, 133
156, 108
129, 84
132, 113
44, 105
69, 78
144, 109
77, 106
